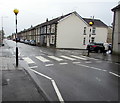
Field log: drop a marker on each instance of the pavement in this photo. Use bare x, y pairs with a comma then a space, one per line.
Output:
15, 83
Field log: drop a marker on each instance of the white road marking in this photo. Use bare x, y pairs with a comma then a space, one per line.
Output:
98, 61
114, 74
92, 67
33, 67
76, 62
47, 65
57, 91
66, 57
42, 59
63, 63
104, 70
84, 65
78, 57
28, 60
117, 63
95, 68
55, 58
90, 58
88, 62
54, 85
110, 62
41, 74
98, 79
41, 51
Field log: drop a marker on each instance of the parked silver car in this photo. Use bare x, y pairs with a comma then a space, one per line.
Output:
32, 42
27, 41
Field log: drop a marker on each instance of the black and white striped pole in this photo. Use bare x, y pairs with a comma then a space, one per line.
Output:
91, 24
88, 47
16, 11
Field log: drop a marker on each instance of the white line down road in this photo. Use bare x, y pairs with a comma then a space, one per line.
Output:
99, 69
54, 85
114, 74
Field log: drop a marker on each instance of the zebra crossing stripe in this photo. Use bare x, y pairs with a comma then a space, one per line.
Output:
63, 63
42, 59
66, 57
33, 67
78, 57
76, 62
55, 58
28, 60
47, 65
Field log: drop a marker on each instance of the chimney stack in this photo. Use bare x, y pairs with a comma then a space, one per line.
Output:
47, 20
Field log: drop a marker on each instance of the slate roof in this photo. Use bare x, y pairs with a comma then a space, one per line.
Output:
97, 22
53, 21
116, 8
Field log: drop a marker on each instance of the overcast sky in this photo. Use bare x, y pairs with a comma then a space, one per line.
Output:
34, 12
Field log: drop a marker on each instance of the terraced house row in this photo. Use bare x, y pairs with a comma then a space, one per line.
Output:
67, 31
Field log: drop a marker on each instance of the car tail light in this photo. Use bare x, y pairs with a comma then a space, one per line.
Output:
94, 46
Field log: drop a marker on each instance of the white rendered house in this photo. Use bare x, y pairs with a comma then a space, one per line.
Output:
75, 32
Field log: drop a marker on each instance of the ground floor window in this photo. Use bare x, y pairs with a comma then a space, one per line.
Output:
37, 39
84, 41
93, 39
45, 39
52, 41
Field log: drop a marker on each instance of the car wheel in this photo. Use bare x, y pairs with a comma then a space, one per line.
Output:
96, 51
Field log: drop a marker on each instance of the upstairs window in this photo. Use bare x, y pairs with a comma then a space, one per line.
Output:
48, 29
43, 30
84, 31
53, 28
93, 30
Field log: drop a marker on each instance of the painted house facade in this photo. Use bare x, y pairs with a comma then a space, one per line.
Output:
75, 32
109, 36
116, 29
70, 31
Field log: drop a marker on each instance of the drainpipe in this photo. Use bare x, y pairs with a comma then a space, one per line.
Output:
113, 30
55, 34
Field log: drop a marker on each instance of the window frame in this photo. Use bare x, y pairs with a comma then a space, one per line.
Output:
93, 30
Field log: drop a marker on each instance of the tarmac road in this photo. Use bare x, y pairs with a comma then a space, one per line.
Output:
66, 76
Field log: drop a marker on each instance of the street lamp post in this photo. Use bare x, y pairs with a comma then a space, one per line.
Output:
88, 47
91, 24
16, 11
